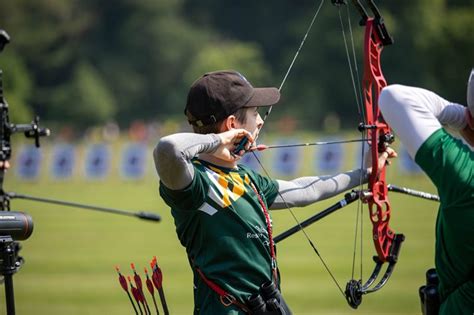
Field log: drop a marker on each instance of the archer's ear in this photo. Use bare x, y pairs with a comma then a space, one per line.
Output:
230, 123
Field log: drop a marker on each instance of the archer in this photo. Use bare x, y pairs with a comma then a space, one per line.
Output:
418, 116
221, 208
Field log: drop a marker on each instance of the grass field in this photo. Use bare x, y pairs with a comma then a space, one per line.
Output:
71, 255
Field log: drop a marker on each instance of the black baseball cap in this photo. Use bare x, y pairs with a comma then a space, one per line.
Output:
219, 94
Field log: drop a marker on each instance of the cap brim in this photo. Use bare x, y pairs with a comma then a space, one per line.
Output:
264, 97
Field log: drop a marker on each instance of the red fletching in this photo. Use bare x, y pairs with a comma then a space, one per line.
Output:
157, 277
138, 281
136, 277
135, 293
149, 284
122, 280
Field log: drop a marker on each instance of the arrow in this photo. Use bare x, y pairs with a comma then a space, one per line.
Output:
123, 283
138, 283
157, 279
135, 293
151, 289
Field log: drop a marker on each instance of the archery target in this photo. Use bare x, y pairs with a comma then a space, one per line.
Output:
133, 161
28, 162
329, 158
97, 162
63, 160
286, 160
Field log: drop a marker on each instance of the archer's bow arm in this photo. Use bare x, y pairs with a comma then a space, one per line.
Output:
304, 191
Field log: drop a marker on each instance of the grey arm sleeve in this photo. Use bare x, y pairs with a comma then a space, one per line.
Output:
173, 154
303, 191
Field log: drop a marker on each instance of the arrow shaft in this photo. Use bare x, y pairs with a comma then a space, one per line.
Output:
163, 301
313, 143
133, 304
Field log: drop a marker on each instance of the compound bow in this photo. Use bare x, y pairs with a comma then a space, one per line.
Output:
377, 131
387, 243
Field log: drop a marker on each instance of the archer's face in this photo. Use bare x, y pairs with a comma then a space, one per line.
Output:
253, 121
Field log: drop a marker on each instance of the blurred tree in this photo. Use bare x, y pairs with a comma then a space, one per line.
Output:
320, 82
245, 58
448, 51
46, 35
85, 99
16, 87
133, 60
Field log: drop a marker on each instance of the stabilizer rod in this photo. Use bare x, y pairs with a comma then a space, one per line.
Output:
141, 214
348, 198
412, 192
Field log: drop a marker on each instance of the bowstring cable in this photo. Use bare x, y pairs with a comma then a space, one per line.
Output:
290, 67
266, 172
361, 110
363, 135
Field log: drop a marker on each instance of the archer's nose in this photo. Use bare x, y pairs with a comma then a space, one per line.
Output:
259, 122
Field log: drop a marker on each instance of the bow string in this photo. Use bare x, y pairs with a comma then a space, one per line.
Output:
376, 132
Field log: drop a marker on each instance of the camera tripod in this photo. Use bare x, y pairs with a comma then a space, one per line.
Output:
9, 264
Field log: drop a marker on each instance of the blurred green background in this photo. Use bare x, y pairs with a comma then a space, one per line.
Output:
84, 64
71, 255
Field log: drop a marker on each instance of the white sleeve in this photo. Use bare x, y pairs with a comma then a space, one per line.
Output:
415, 114
303, 191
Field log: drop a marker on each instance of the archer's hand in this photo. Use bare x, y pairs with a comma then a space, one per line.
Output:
383, 158
229, 142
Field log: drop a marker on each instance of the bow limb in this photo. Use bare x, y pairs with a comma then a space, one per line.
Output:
387, 243
380, 136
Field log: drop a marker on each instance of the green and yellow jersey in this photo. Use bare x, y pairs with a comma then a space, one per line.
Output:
220, 222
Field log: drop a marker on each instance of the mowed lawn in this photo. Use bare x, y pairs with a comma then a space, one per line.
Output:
71, 255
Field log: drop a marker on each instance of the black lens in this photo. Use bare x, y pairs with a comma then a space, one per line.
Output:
432, 277
269, 290
256, 304
273, 299
17, 225
432, 302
